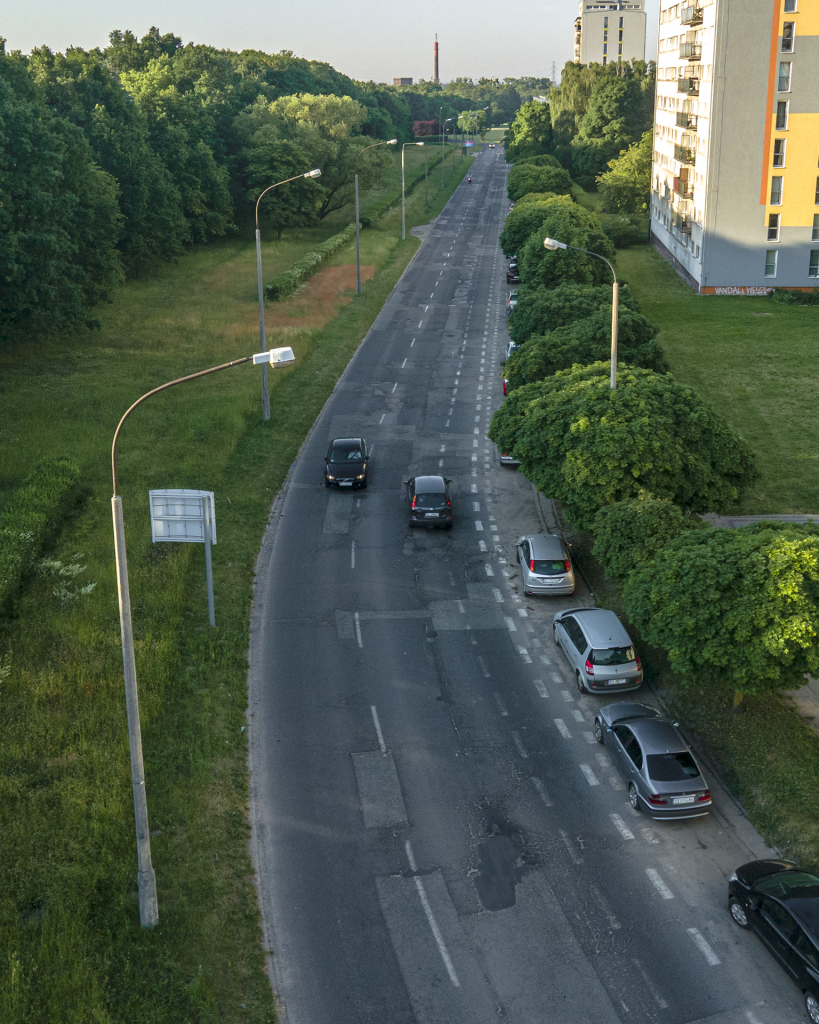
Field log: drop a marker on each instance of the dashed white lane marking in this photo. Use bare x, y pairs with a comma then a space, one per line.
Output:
567, 696
519, 744
556, 678
572, 852
420, 322
541, 792
488, 569
403, 364
461, 608
383, 414
501, 705
381, 742
436, 933
652, 987
649, 836
410, 856
478, 524
615, 783
476, 506
563, 729
358, 630
474, 488
498, 595
621, 826
577, 715
484, 669
395, 385
412, 342
701, 944
541, 688
545, 659
589, 737
352, 556
751, 1018
521, 650
482, 545
660, 885
591, 778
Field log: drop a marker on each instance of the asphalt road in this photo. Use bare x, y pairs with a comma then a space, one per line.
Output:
437, 836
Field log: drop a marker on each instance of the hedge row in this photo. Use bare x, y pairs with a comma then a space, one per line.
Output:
31, 517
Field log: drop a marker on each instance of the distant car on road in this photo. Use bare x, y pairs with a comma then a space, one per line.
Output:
656, 763
545, 564
509, 460
346, 463
599, 650
429, 501
780, 902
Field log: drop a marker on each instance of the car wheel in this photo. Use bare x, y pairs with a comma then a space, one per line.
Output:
581, 686
633, 798
364, 483
598, 730
738, 912
812, 1007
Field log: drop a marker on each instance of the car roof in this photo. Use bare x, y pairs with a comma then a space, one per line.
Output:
626, 709
429, 485
802, 902
347, 442
545, 545
602, 627
657, 736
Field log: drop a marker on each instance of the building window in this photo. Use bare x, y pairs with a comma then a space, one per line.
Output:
621, 23
779, 152
605, 22
816, 197
790, 6
813, 266
782, 116
815, 233
784, 76
787, 37
773, 227
770, 263
776, 190
620, 49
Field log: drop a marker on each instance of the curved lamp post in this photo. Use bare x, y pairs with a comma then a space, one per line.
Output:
315, 173
552, 244
403, 204
443, 128
392, 142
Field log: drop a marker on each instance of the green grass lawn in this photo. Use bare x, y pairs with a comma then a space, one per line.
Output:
73, 950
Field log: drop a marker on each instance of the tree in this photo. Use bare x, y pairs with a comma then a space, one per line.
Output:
272, 159
541, 310
588, 446
530, 132
733, 608
527, 216
568, 222
628, 534
587, 341
626, 186
525, 178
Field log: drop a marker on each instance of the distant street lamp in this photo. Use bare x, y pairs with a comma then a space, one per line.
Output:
552, 244
443, 123
146, 878
403, 204
392, 142
316, 173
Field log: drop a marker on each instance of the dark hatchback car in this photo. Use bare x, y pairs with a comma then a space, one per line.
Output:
780, 902
346, 463
429, 501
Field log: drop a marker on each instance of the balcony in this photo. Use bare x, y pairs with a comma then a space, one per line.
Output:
688, 86
691, 51
685, 155
681, 223
683, 188
691, 16
686, 120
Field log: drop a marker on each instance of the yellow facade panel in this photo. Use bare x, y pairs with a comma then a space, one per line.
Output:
800, 172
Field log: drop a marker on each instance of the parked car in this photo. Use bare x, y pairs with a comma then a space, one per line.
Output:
505, 386
508, 349
512, 301
512, 276
509, 460
651, 754
429, 501
545, 564
780, 902
346, 463
599, 650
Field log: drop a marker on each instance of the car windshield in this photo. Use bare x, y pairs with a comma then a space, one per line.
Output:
430, 500
676, 767
792, 883
548, 567
346, 455
612, 656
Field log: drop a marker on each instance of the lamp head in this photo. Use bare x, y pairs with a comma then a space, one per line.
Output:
552, 243
419, 143
315, 173
393, 142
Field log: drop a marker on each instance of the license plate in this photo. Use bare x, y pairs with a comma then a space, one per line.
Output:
549, 582
345, 483
430, 515
683, 800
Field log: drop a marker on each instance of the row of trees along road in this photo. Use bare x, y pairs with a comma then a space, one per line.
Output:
733, 608
114, 160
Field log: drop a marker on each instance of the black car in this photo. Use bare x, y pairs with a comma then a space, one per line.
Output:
429, 501
346, 463
512, 276
780, 902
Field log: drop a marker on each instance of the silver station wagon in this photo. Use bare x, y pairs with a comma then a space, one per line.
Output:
599, 650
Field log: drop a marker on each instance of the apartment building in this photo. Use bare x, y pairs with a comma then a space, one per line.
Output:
735, 173
606, 32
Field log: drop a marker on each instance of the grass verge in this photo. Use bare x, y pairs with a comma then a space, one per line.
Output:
73, 948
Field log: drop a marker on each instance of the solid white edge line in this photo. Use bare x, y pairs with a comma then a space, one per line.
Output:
381, 742
439, 941
410, 856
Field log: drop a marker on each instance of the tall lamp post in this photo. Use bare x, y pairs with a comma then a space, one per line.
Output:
552, 244
403, 204
443, 124
392, 142
146, 878
316, 173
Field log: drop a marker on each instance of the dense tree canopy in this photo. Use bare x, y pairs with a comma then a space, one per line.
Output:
576, 226
541, 310
525, 178
626, 186
530, 133
527, 216
589, 446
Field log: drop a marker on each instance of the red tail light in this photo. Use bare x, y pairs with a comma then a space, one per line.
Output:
704, 796
414, 499
566, 567
656, 800
637, 659
589, 668
531, 565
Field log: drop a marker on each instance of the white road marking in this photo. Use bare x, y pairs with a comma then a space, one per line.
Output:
478, 524
541, 688
519, 744
420, 322
567, 696
461, 608
442, 449
383, 414
572, 852
381, 742
603, 760
403, 364
589, 737
649, 836
447, 423
501, 705
615, 782
482, 545
488, 569
621, 826
440, 463
562, 729
358, 630
523, 613
412, 342
395, 385
556, 677
577, 715
433, 924
474, 488
703, 947
352, 556
751, 1018
410, 856
476, 506
660, 885
652, 989
545, 659
591, 778
498, 595
484, 669
541, 791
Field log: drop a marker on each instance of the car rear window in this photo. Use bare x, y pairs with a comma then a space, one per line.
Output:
430, 500
612, 656
675, 767
548, 567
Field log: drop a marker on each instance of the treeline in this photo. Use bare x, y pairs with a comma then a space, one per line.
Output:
503, 97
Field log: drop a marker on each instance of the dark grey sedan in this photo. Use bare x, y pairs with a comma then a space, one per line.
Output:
662, 776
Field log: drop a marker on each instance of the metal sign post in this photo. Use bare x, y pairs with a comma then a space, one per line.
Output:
187, 517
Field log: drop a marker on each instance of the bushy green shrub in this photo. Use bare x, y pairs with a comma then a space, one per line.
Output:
568, 222
625, 231
526, 218
542, 160
809, 297
288, 281
541, 310
32, 516
525, 178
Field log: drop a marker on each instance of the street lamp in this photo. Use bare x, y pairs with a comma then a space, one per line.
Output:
403, 204
392, 142
146, 878
552, 244
316, 173
442, 145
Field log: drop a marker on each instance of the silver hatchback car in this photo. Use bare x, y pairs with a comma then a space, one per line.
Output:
545, 564
599, 650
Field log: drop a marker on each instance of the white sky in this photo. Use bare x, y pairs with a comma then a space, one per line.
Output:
365, 39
